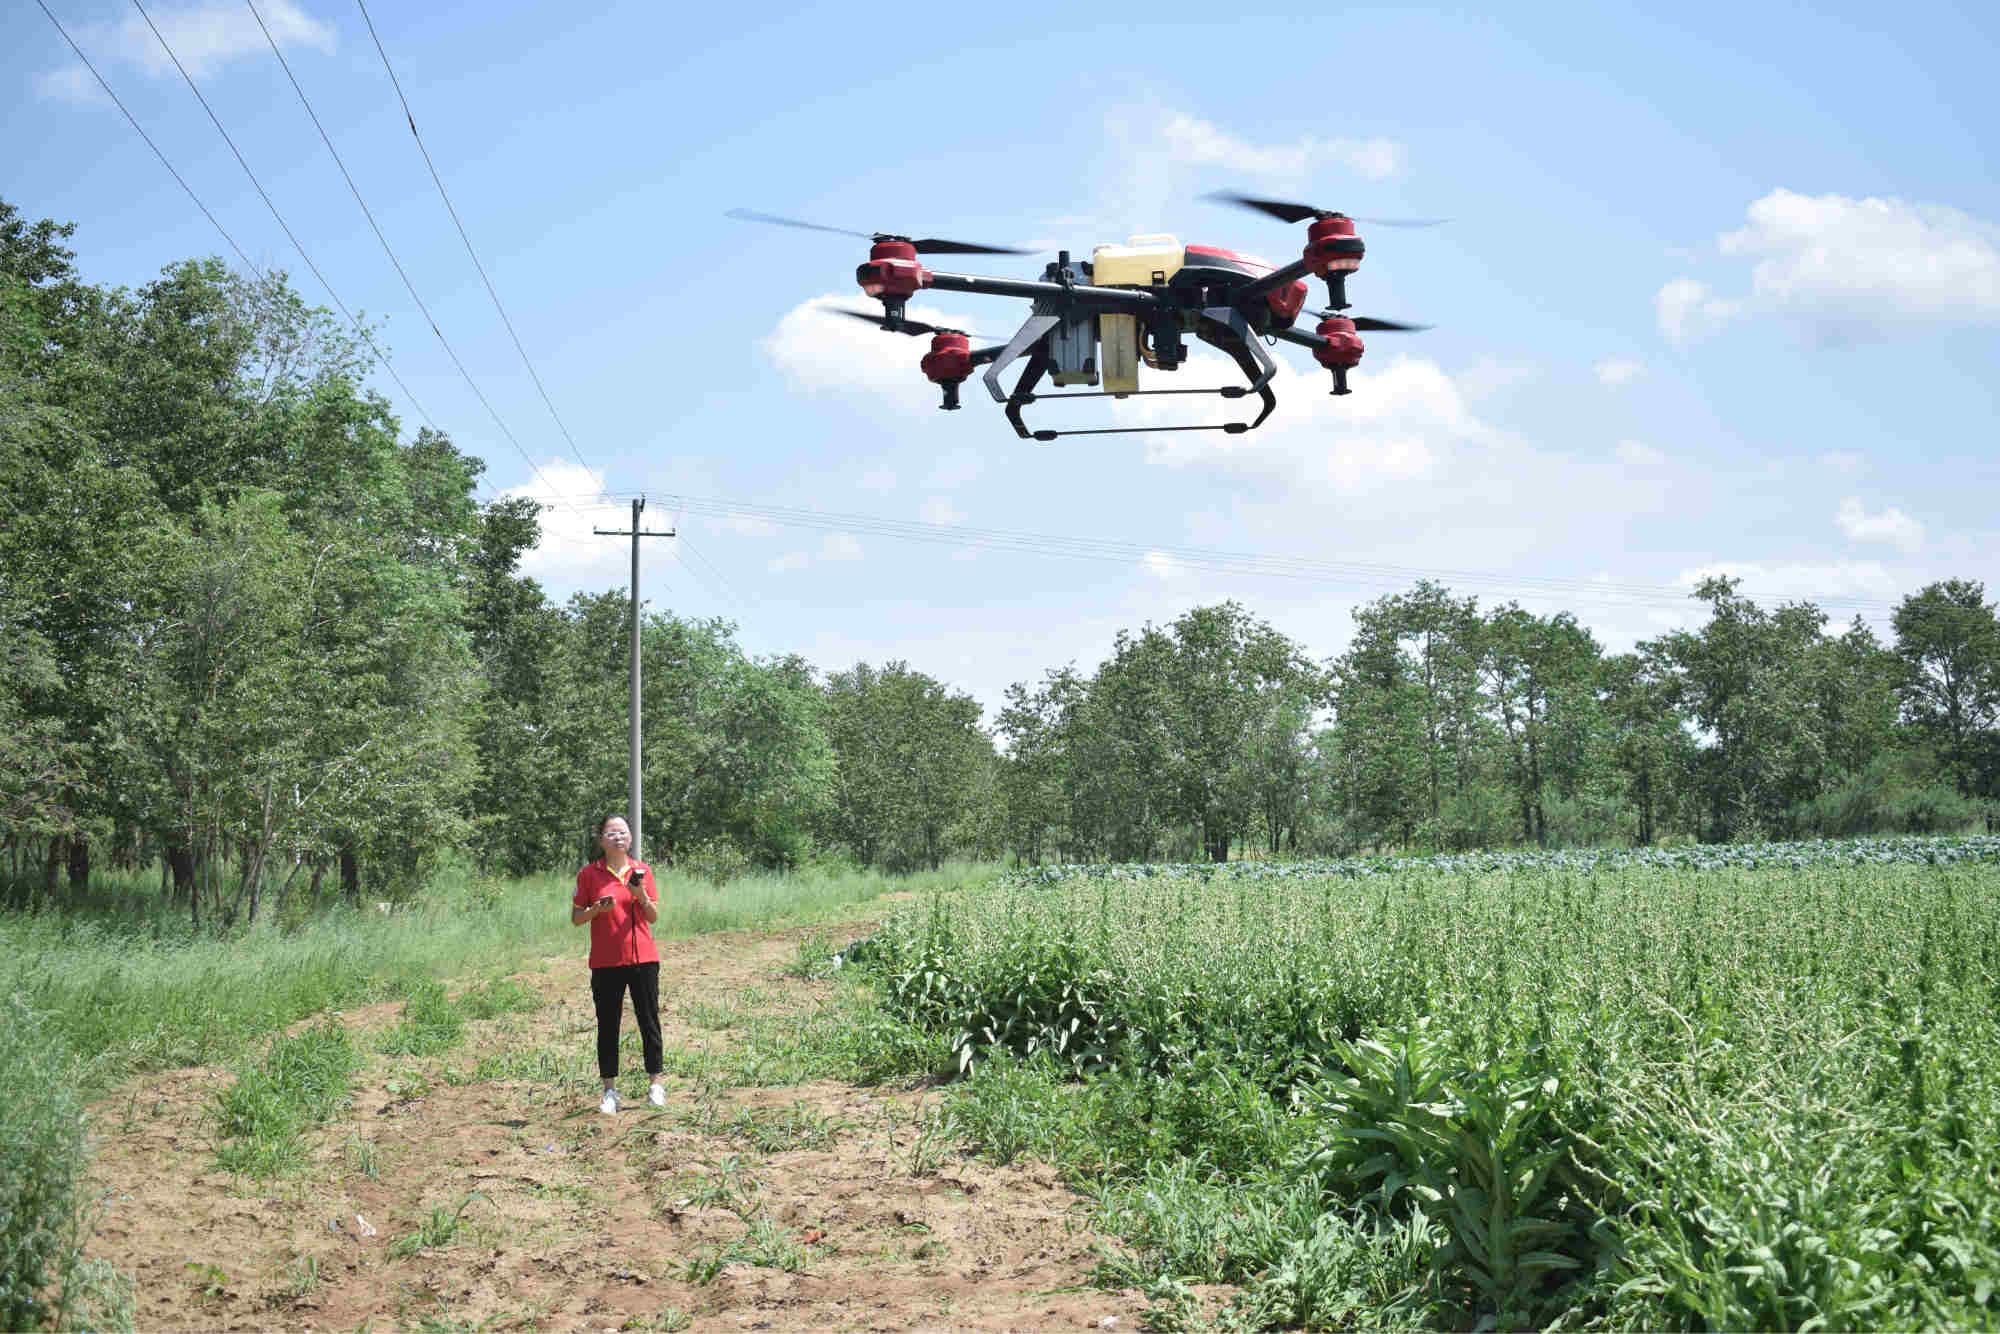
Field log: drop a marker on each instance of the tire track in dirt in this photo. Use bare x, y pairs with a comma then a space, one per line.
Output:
814, 1205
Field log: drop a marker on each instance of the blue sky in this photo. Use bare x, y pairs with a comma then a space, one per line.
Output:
1720, 289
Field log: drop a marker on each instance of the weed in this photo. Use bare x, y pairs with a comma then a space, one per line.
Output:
438, 1229
726, 1188
815, 957
301, 1081
774, 1131
432, 1023
301, 1278
362, 1156
207, 1279
489, 1000
705, 1265
769, 1246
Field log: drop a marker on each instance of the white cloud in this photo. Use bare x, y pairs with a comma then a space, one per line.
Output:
791, 560
1199, 143
822, 351
569, 554
1856, 262
939, 509
1151, 159
1688, 310
1830, 581
1638, 455
1396, 427
71, 83
878, 480
1616, 372
206, 37
1162, 566
1844, 461
1891, 525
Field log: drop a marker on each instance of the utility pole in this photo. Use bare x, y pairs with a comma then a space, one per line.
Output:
635, 534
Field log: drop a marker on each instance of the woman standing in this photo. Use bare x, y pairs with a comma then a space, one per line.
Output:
616, 895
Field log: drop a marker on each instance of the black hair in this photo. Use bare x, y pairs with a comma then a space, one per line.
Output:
615, 815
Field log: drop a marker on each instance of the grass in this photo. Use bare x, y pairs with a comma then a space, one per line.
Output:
127, 987
299, 1082
118, 984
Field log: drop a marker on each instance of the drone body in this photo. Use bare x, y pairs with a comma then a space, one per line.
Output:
1093, 322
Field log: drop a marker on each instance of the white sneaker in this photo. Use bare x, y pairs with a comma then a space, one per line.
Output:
610, 1104
657, 1095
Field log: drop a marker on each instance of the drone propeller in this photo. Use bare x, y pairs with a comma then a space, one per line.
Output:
1287, 212
929, 245
914, 328
1364, 324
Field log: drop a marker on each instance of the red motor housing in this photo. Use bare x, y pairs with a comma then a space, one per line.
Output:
1333, 247
1341, 352
950, 358
1343, 346
1286, 302
892, 271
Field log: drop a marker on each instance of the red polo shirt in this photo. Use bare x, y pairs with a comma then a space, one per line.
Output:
620, 936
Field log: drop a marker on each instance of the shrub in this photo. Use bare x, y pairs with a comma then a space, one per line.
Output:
716, 860
41, 1165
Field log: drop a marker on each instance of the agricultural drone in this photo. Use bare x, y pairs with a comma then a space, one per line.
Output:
1092, 322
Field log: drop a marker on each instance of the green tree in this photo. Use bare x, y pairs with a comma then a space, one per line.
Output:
910, 761
1739, 679
1948, 648
1037, 781
1541, 675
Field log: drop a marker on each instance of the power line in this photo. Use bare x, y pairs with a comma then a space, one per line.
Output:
1308, 569
490, 495
205, 212
265, 196
704, 573
439, 182
133, 121
359, 327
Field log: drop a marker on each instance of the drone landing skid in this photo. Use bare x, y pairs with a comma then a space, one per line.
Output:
1222, 327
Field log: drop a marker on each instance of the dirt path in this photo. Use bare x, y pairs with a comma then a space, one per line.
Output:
744, 1205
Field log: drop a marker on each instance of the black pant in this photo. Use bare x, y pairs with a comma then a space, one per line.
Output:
607, 990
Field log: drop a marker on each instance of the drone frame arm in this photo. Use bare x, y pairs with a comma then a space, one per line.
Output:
1248, 297
1031, 332
1094, 298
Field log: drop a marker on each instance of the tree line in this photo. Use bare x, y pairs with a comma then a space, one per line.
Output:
1445, 727
256, 637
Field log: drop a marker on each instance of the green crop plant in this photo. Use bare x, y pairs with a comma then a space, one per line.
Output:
1691, 1087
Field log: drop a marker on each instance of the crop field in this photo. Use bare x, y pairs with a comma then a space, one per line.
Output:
1741, 1088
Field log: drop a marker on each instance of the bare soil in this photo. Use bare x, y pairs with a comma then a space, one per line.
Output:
579, 1221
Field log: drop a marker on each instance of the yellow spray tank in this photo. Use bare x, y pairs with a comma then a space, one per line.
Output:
1147, 261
